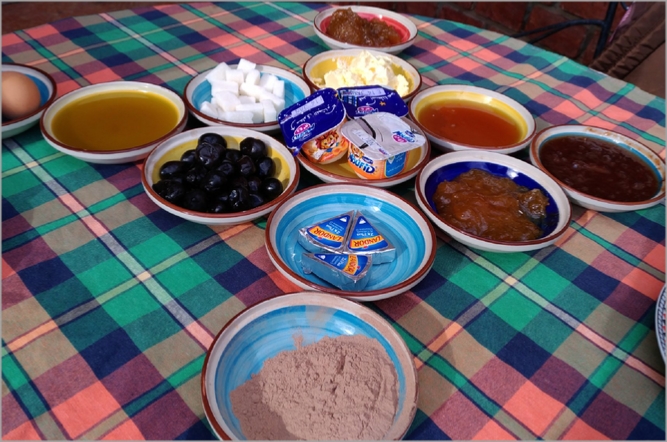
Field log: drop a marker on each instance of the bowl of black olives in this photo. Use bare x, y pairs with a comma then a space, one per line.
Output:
220, 175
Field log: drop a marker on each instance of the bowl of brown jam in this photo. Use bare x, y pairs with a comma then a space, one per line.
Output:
600, 169
458, 117
492, 202
368, 27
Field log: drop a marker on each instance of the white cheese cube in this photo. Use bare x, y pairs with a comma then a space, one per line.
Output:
235, 75
223, 85
226, 101
267, 81
218, 72
252, 76
209, 109
245, 65
247, 99
270, 113
237, 116
251, 90
279, 89
257, 110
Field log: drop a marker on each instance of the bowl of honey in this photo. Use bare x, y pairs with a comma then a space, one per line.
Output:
113, 122
600, 169
460, 117
492, 202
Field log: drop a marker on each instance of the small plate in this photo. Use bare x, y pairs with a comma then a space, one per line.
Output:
405, 27
269, 327
47, 92
661, 322
403, 225
198, 90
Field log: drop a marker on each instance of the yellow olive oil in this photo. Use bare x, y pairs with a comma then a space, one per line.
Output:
115, 120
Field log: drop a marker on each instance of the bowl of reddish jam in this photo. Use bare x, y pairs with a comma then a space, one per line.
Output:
492, 202
458, 117
600, 169
353, 27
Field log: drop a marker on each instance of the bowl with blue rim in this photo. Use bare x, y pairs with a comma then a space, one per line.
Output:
448, 167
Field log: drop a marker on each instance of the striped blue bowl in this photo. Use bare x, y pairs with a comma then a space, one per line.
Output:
47, 94
269, 327
406, 228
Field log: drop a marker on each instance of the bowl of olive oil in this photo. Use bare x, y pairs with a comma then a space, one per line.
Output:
113, 122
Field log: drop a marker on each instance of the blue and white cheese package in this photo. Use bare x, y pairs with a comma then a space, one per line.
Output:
365, 239
345, 271
328, 235
364, 100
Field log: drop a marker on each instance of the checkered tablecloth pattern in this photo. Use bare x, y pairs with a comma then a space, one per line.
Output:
109, 303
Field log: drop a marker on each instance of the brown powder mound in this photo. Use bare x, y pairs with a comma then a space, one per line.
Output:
336, 389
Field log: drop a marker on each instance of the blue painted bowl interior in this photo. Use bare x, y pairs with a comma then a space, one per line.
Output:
202, 93
451, 171
275, 331
638, 154
391, 221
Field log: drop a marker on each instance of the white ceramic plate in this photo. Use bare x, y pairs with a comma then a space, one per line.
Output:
404, 226
405, 27
269, 327
661, 322
287, 171
111, 156
47, 93
198, 90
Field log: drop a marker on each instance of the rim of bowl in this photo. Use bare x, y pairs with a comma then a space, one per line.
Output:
403, 176
208, 411
553, 235
482, 91
601, 132
371, 10
305, 87
407, 67
42, 108
287, 191
121, 85
420, 273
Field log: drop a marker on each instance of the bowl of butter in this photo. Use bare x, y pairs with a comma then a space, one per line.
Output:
361, 67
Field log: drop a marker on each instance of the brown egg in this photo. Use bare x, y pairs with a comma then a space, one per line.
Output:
20, 95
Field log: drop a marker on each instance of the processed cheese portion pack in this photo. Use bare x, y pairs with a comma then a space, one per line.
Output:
365, 239
345, 271
328, 235
364, 100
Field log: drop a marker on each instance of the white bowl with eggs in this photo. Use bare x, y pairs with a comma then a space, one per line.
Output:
26, 92
113, 122
475, 118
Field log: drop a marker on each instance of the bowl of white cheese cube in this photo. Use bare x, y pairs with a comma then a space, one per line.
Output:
246, 94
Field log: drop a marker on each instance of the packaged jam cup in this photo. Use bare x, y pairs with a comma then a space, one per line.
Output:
364, 100
380, 144
313, 125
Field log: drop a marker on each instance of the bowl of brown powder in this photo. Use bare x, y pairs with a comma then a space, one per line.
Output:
309, 366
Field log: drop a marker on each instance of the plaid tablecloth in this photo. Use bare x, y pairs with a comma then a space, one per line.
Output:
109, 303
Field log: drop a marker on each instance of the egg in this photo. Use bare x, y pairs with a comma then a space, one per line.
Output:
20, 95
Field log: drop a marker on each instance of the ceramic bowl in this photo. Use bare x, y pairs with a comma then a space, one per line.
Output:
634, 148
405, 27
318, 65
122, 154
287, 171
198, 90
450, 165
340, 171
483, 98
269, 327
402, 224
47, 93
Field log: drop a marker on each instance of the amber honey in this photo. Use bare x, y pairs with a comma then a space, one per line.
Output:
470, 122
115, 120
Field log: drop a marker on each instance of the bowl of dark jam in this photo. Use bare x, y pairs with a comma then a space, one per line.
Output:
600, 169
492, 202
357, 26
220, 175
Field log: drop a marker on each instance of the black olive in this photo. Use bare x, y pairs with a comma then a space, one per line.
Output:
254, 184
223, 197
214, 182
240, 181
171, 168
238, 197
212, 138
210, 155
189, 157
271, 188
266, 167
227, 168
256, 200
246, 166
195, 199
218, 207
253, 147
232, 155
195, 176
170, 190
